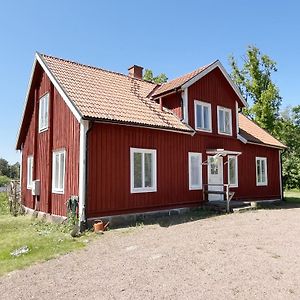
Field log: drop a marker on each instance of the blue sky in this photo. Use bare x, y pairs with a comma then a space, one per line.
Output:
173, 37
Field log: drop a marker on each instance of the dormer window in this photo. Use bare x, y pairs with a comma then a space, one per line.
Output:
202, 116
43, 112
224, 121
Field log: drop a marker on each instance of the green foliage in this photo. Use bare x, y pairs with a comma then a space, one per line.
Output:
4, 180
148, 76
11, 171
288, 131
256, 85
4, 207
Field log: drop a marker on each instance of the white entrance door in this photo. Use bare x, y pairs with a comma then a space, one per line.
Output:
215, 176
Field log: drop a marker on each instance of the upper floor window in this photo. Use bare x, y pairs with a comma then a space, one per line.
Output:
58, 171
29, 171
195, 171
233, 170
224, 121
261, 171
202, 116
43, 112
143, 170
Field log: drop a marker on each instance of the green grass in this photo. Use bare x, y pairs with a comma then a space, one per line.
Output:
292, 196
44, 240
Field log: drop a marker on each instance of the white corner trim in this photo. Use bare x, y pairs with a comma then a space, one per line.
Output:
185, 106
216, 64
280, 175
84, 126
242, 139
237, 118
58, 87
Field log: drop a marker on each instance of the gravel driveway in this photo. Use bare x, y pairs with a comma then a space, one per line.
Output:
253, 255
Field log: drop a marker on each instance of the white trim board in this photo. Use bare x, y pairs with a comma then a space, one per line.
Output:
216, 64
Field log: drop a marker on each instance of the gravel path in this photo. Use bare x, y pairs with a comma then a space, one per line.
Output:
254, 255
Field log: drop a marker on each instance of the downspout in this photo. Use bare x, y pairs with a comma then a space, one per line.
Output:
84, 127
281, 177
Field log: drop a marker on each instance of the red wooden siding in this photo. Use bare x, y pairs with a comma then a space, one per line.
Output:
109, 169
174, 103
215, 89
63, 133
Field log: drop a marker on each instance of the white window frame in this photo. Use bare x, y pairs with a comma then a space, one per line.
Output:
204, 104
195, 187
58, 190
265, 183
236, 170
44, 113
154, 168
224, 109
29, 172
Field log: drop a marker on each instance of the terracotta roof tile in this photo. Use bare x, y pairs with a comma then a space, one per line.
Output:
178, 82
107, 95
255, 134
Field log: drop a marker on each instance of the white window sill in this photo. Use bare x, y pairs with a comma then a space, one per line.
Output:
195, 188
61, 192
261, 184
136, 191
29, 187
233, 186
225, 133
203, 130
43, 129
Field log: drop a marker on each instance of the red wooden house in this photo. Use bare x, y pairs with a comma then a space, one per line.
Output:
125, 145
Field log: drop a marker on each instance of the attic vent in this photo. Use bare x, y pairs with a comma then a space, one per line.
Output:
136, 71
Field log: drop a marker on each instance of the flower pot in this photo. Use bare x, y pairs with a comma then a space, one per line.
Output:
99, 226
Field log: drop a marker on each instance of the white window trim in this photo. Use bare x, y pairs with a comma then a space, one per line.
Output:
197, 187
134, 190
29, 182
230, 121
266, 168
43, 127
56, 190
236, 170
206, 104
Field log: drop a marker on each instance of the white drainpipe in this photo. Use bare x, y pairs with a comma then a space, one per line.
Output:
84, 126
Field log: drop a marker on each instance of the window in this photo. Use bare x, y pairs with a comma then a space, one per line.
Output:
202, 116
29, 171
195, 171
261, 171
233, 170
58, 171
224, 121
43, 113
143, 170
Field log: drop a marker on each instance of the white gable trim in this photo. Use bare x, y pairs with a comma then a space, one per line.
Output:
67, 100
216, 64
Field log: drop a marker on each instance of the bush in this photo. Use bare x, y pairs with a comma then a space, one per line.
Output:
4, 180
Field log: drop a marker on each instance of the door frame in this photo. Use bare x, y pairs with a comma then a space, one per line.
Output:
215, 197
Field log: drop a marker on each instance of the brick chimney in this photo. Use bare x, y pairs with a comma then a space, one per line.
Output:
135, 71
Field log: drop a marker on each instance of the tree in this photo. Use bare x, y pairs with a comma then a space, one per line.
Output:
256, 85
148, 76
4, 167
15, 171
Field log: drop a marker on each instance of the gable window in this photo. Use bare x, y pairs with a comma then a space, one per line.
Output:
195, 171
202, 116
58, 171
261, 171
29, 171
43, 112
224, 121
143, 170
233, 170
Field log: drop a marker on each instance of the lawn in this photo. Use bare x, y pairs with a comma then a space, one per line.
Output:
44, 240
292, 196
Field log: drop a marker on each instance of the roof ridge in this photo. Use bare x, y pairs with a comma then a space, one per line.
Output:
93, 67
198, 69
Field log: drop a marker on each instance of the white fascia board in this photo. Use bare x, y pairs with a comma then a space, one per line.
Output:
58, 87
242, 139
84, 126
216, 64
